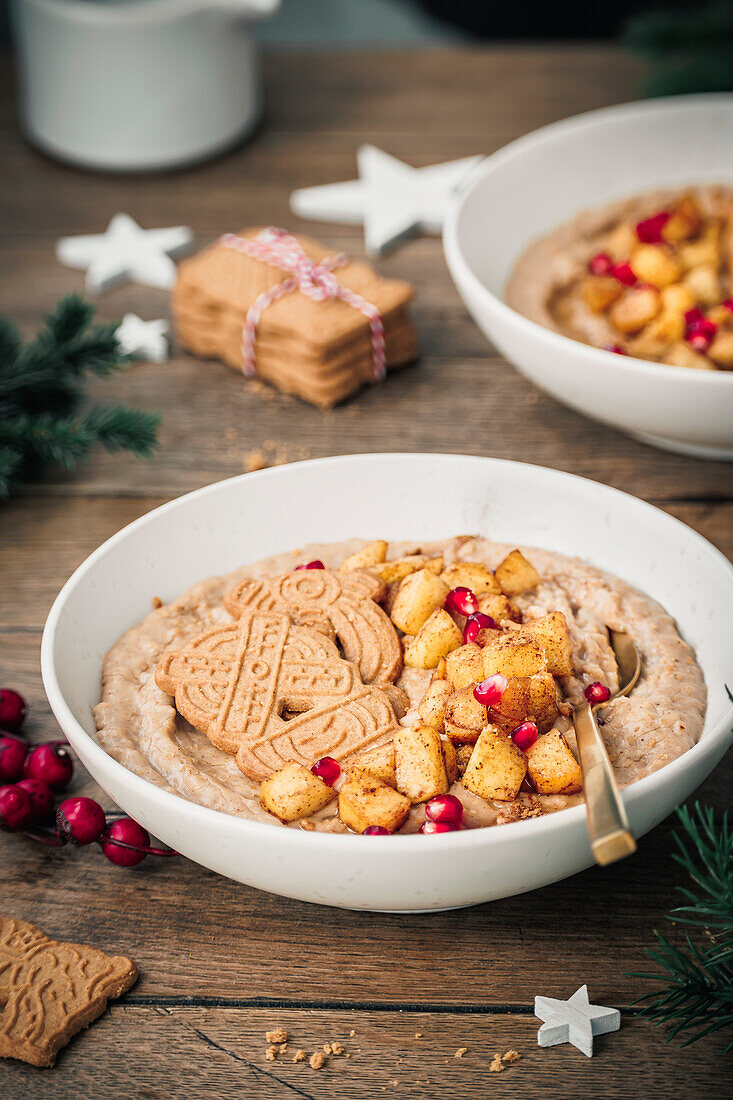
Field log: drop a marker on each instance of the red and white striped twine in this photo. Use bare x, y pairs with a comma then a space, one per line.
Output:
315, 280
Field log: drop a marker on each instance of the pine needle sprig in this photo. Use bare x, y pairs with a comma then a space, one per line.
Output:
697, 994
41, 394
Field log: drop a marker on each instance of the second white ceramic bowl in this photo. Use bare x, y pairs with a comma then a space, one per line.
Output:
413, 497
540, 181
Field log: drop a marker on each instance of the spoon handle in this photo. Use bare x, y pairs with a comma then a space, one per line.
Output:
608, 825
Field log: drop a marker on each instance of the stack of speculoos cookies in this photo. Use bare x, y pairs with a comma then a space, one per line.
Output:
322, 351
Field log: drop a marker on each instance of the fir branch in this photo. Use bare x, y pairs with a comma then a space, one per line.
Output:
697, 994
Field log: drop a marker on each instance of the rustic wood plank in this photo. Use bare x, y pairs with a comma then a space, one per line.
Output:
212, 1052
44, 540
505, 947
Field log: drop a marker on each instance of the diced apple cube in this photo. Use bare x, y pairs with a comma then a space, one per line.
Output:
703, 281
450, 759
499, 608
419, 763
677, 299
721, 350
417, 598
439, 670
364, 801
372, 554
551, 631
497, 767
294, 792
464, 666
514, 654
470, 574
513, 707
380, 763
542, 706
600, 291
515, 574
552, 767
463, 756
432, 704
465, 717
636, 307
651, 263
682, 355
685, 222
391, 572
436, 639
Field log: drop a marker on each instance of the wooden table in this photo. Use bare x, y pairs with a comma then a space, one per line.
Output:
220, 963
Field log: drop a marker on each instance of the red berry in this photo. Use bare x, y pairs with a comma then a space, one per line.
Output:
51, 764
616, 349
376, 830
41, 796
476, 627
728, 303
490, 690
600, 264
461, 600
16, 809
315, 564
700, 332
446, 809
327, 769
13, 752
524, 736
129, 832
438, 827
624, 274
597, 693
12, 709
650, 230
693, 317
79, 820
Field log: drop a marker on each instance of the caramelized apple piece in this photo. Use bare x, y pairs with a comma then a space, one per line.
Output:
418, 596
497, 767
364, 801
369, 555
420, 763
435, 639
552, 767
294, 792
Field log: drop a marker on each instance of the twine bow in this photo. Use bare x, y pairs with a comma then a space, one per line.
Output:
315, 280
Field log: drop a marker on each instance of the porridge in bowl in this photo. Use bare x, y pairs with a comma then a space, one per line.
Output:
650, 277
388, 688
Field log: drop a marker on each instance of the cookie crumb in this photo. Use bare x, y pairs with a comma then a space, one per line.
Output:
327, 1048
271, 1054
283, 1048
255, 460
460, 1052
300, 1056
156, 602
352, 1033
317, 1060
277, 1035
418, 1034
497, 1066
337, 1049
511, 1056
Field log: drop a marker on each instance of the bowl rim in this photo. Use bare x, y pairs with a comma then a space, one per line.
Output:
462, 271
324, 842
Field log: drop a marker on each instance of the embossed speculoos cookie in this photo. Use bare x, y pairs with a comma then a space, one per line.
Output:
340, 604
269, 691
49, 990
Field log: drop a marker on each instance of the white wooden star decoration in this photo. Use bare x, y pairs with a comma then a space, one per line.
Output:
390, 198
574, 1021
143, 339
126, 252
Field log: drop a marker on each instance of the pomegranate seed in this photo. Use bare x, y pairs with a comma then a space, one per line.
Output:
624, 274
16, 808
13, 752
51, 764
315, 564
375, 830
327, 769
41, 796
650, 230
700, 333
129, 832
79, 820
693, 317
445, 809
597, 692
461, 600
12, 709
490, 691
600, 264
728, 303
524, 736
616, 349
476, 627
438, 827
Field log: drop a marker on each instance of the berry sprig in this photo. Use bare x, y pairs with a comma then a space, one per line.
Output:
32, 776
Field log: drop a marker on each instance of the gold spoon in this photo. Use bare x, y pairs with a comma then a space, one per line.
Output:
608, 825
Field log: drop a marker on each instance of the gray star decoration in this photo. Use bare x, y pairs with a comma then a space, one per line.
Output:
574, 1021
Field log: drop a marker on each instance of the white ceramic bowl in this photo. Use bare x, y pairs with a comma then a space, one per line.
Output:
544, 179
396, 497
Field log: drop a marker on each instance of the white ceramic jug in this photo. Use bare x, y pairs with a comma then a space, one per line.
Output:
137, 84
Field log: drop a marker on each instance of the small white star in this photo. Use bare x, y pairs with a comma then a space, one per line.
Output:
125, 251
574, 1021
143, 339
390, 198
